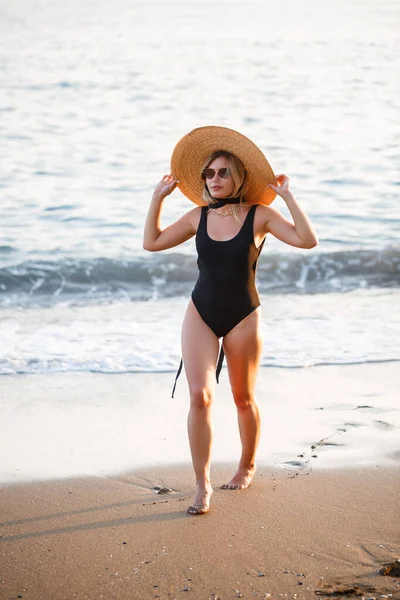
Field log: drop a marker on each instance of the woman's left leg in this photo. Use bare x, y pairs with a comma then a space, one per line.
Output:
243, 347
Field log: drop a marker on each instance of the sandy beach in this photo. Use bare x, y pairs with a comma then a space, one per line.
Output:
82, 455
292, 534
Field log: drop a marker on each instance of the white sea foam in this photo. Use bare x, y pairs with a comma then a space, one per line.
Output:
298, 331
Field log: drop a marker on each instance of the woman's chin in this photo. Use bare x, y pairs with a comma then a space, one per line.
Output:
219, 195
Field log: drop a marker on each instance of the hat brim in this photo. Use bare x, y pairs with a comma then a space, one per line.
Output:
193, 149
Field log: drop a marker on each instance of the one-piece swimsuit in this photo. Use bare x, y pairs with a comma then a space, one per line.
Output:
225, 292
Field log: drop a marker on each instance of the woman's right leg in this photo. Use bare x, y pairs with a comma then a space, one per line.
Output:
199, 352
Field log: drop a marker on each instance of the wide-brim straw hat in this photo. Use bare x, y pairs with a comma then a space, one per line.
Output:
195, 147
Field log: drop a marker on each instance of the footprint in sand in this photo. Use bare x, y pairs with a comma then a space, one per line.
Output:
294, 463
384, 425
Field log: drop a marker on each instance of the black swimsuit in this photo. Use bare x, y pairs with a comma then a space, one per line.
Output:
225, 291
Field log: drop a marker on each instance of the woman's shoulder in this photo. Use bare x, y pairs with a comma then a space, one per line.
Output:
193, 212
193, 216
261, 206
263, 209
260, 210
263, 215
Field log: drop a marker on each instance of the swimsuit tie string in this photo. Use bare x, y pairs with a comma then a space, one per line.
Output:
217, 371
219, 363
176, 378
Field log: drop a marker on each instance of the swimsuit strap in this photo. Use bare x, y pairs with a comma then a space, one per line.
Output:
248, 224
252, 211
202, 222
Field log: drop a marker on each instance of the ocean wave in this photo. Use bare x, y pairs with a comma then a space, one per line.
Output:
57, 366
44, 283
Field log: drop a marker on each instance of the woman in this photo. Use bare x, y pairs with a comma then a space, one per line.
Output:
233, 184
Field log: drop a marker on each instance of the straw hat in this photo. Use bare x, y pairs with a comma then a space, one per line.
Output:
193, 149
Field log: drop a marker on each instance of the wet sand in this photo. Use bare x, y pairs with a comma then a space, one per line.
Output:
292, 534
68, 425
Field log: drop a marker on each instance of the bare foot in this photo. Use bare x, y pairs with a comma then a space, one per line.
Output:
201, 504
241, 480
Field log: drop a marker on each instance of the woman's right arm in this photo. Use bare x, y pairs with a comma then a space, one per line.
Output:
155, 238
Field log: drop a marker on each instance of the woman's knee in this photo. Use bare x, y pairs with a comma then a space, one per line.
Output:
243, 399
200, 397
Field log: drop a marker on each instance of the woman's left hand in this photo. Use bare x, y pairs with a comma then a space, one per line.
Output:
283, 184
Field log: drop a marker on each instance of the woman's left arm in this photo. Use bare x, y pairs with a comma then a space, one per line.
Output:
300, 233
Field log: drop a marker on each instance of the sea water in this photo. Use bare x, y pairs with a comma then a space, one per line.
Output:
94, 97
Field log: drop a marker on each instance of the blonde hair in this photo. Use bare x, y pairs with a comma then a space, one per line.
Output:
237, 172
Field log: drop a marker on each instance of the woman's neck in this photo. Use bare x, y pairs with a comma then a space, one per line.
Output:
224, 201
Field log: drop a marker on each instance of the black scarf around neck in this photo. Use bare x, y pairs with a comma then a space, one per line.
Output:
225, 201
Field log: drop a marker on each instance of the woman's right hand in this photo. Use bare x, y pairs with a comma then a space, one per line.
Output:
165, 187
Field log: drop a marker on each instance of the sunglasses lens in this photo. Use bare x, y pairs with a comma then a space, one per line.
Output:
209, 173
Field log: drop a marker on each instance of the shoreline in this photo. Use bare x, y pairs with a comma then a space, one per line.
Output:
61, 426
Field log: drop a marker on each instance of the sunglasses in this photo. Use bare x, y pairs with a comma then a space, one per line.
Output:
209, 173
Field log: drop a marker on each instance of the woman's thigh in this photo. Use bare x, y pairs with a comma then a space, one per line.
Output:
243, 348
200, 349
